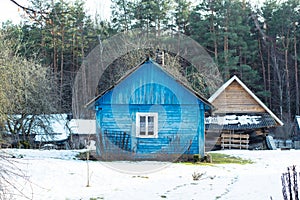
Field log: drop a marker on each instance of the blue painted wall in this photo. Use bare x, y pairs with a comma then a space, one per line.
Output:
150, 89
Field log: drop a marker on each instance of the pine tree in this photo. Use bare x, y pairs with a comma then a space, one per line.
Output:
182, 15
122, 12
223, 28
152, 15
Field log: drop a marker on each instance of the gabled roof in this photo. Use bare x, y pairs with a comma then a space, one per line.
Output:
82, 126
57, 124
199, 96
235, 78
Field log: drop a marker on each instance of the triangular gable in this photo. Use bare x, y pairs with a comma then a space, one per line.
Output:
245, 91
189, 89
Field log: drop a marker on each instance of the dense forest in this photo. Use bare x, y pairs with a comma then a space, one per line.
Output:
260, 44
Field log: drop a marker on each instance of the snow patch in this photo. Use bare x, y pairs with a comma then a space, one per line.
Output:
56, 174
233, 119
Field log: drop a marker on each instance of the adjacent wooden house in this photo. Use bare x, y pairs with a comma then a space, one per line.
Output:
240, 119
149, 114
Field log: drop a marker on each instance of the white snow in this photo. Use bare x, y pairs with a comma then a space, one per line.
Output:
57, 174
233, 119
58, 123
62, 128
82, 126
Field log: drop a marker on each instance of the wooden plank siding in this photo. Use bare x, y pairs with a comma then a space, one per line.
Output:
177, 128
234, 99
239, 112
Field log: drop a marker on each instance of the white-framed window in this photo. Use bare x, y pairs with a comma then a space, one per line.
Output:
147, 125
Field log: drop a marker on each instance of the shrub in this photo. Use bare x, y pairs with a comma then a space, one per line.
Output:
289, 182
196, 176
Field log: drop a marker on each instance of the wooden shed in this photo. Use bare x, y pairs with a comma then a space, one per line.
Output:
82, 134
240, 119
149, 114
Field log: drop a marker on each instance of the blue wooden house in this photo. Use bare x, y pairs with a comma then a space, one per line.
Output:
149, 114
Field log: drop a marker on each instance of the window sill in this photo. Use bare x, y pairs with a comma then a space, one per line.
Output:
145, 136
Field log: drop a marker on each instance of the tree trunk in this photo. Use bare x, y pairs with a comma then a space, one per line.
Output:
269, 77
278, 76
225, 48
158, 28
296, 71
213, 31
62, 66
285, 44
54, 50
263, 67
288, 93
73, 69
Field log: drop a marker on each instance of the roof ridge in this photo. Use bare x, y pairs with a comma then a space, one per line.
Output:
149, 60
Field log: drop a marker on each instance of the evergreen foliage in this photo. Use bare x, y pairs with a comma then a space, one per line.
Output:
259, 44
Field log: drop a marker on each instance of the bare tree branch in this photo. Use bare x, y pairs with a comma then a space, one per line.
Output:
27, 9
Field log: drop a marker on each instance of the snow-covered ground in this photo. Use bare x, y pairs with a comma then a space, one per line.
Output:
53, 174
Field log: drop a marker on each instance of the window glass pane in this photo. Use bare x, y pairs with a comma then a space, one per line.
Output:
143, 119
142, 125
142, 133
150, 119
150, 133
150, 125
